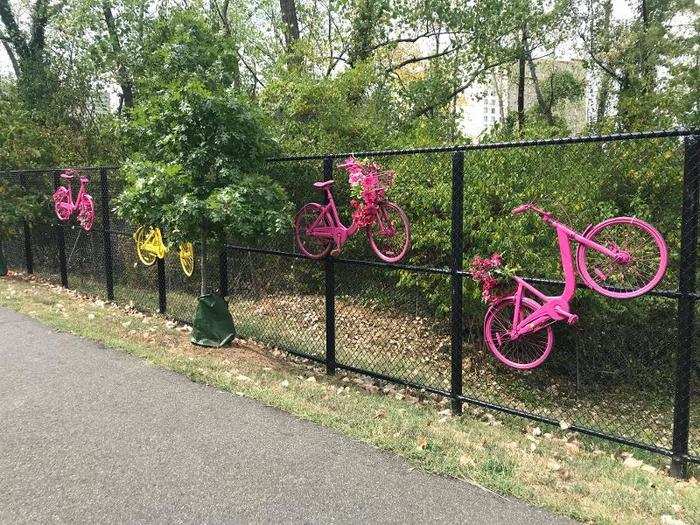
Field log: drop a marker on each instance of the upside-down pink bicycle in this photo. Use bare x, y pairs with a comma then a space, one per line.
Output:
319, 230
622, 257
64, 206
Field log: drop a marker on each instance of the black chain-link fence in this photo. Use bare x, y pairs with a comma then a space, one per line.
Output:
627, 371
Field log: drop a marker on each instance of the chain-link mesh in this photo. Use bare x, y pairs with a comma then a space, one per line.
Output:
614, 372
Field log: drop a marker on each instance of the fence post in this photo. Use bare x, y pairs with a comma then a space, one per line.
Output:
162, 294
686, 307
223, 271
329, 280
28, 255
107, 234
61, 239
457, 242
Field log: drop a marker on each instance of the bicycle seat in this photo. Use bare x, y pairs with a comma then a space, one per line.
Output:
67, 176
84, 179
322, 185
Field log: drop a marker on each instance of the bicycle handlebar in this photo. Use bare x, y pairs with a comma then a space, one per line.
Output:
531, 207
521, 209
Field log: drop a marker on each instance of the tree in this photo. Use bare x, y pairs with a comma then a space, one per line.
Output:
27, 52
646, 65
196, 169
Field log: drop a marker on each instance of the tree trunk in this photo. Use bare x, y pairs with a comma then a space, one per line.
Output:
291, 30
545, 109
13, 59
203, 289
3, 261
521, 82
603, 95
222, 11
363, 30
647, 66
604, 89
123, 77
27, 51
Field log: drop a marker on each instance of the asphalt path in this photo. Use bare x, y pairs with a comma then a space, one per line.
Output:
92, 435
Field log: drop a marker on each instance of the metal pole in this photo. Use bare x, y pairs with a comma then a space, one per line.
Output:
61, 239
329, 268
162, 294
686, 307
457, 242
223, 271
107, 234
28, 255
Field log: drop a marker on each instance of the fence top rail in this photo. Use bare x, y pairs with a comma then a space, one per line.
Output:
46, 171
678, 132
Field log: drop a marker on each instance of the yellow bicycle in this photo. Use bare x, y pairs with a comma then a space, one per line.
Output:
150, 246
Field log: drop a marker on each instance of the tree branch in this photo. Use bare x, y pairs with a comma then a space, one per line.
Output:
11, 54
420, 59
15, 36
457, 91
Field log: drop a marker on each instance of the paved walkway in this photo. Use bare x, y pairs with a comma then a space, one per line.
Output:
89, 434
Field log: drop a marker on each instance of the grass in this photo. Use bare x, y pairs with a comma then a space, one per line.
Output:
416, 349
583, 479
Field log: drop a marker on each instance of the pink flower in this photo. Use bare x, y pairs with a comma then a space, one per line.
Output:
492, 281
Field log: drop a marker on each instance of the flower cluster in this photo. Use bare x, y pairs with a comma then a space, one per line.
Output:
368, 186
492, 276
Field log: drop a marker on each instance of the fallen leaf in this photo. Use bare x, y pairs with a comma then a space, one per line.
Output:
553, 465
422, 443
311, 379
564, 474
572, 448
379, 414
241, 377
284, 384
632, 462
667, 519
564, 425
464, 460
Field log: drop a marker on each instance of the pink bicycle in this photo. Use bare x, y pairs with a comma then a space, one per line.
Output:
64, 205
622, 257
318, 228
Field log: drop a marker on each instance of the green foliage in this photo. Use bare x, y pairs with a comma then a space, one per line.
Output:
183, 46
39, 137
17, 206
197, 167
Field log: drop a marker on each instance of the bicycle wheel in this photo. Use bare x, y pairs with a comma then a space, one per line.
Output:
526, 352
86, 213
311, 245
645, 267
61, 203
389, 235
145, 256
187, 258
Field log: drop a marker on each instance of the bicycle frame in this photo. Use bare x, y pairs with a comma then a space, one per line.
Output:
555, 308
73, 204
338, 231
154, 243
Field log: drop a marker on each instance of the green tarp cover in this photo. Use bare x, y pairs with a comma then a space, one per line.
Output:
213, 324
